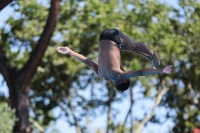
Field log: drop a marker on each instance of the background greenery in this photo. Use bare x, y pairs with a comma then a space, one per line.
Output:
61, 81
7, 118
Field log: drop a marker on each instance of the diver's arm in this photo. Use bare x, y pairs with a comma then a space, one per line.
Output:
65, 50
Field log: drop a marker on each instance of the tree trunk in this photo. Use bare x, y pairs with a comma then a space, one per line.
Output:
4, 3
20, 102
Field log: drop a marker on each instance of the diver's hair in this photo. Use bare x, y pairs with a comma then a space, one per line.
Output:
123, 86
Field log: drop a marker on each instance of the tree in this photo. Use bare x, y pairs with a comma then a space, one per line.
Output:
18, 80
60, 83
183, 95
178, 38
61, 80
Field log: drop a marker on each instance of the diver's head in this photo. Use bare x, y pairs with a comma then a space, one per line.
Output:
122, 85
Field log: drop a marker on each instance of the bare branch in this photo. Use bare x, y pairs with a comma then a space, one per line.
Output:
130, 109
109, 122
63, 108
78, 129
148, 117
109, 104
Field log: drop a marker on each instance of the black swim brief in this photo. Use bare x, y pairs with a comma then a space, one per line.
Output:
113, 35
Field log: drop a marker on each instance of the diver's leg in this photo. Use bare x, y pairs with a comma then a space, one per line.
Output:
139, 48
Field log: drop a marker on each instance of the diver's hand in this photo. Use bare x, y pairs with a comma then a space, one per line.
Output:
168, 69
63, 50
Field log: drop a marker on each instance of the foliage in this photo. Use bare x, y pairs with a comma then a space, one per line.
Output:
183, 95
7, 118
64, 83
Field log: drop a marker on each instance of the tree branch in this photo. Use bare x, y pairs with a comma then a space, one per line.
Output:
130, 109
4, 3
194, 100
37, 125
148, 117
109, 114
37, 54
109, 104
78, 129
5, 66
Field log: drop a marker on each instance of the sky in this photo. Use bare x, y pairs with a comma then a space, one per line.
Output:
64, 127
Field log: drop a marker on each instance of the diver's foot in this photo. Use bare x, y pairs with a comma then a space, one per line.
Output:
155, 60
